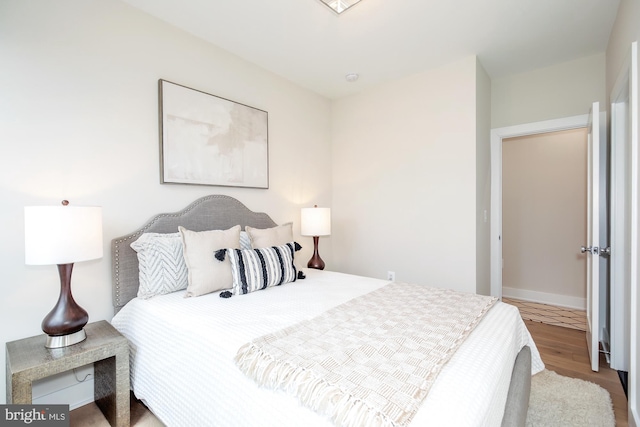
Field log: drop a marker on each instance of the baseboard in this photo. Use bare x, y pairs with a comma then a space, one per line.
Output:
545, 298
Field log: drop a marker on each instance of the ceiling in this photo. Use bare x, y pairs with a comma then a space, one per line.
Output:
381, 40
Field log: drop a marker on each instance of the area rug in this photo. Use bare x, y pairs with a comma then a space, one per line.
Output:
565, 402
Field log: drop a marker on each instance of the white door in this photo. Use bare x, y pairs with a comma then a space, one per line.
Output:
592, 249
634, 368
621, 223
625, 234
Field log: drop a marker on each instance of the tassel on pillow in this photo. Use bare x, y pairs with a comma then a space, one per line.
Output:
220, 254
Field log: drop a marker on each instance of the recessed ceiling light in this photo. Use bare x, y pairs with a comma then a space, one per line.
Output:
340, 6
351, 77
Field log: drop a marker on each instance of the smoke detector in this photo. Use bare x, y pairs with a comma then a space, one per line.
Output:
351, 77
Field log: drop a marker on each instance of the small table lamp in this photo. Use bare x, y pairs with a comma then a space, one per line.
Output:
315, 222
63, 235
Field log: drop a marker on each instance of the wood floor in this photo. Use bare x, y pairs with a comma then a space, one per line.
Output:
564, 351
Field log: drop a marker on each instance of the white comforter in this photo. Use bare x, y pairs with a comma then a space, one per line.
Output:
182, 352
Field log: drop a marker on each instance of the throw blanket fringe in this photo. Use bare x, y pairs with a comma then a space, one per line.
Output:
312, 392
370, 361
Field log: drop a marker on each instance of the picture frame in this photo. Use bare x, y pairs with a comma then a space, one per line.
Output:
210, 140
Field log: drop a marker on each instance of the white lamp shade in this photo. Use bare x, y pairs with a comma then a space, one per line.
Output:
315, 221
62, 234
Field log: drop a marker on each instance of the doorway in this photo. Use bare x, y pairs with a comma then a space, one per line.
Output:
597, 307
497, 137
544, 199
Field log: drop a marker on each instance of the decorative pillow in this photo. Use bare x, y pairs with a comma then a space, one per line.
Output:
207, 275
256, 269
245, 241
275, 236
267, 237
161, 264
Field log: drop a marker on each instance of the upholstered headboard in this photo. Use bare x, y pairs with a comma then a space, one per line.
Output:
215, 212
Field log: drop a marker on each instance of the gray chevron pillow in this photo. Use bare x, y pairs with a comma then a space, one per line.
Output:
161, 264
245, 241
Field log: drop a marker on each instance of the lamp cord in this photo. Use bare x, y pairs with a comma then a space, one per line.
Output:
75, 373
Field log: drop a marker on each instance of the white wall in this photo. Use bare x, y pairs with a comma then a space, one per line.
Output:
563, 90
404, 174
79, 120
625, 31
544, 195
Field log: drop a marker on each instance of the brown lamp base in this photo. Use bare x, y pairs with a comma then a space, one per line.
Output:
315, 261
65, 322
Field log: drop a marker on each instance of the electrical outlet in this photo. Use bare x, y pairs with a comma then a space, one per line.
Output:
391, 275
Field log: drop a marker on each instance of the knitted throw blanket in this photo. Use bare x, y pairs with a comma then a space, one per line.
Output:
372, 360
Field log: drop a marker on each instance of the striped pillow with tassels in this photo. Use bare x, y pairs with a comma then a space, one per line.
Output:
256, 269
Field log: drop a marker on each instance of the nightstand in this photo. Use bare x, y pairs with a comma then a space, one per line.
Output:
29, 360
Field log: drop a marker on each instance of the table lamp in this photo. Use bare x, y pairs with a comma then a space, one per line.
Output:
63, 235
315, 222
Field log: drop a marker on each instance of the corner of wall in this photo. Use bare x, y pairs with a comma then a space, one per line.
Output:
483, 180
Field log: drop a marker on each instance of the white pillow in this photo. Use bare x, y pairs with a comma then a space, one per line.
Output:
162, 269
274, 236
267, 237
206, 274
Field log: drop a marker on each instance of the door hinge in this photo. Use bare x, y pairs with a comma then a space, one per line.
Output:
594, 250
591, 249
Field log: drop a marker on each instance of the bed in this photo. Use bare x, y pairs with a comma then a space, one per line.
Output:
183, 349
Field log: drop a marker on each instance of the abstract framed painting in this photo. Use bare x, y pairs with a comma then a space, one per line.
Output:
209, 140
